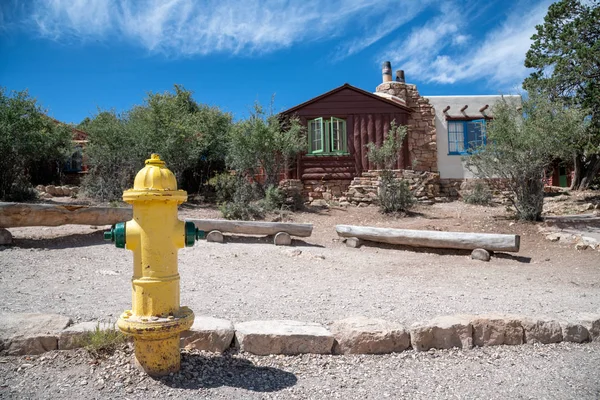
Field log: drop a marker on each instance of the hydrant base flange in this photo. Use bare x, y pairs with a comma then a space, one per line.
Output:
157, 327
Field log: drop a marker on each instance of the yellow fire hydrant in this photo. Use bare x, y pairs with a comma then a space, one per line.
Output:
155, 234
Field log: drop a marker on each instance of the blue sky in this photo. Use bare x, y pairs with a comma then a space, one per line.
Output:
76, 56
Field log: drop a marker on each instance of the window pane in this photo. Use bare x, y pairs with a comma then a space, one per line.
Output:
475, 134
456, 137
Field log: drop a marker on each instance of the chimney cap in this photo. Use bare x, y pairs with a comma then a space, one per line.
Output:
400, 75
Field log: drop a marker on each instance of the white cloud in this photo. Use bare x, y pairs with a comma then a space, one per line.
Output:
434, 52
187, 27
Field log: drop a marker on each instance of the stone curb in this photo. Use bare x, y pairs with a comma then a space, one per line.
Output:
22, 334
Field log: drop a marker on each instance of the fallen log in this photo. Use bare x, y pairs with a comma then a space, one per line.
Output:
14, 215
434, 239
252, 227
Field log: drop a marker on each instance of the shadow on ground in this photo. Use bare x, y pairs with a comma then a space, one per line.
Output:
62, 242
442, 252
199, 371
265, 240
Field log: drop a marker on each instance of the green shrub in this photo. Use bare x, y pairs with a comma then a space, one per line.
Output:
31, 144
225, 185
394, 195
274, 198
478, 194
246, 202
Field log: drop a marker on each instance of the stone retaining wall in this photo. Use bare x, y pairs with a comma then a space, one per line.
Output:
425, 186
50, 191
22, 334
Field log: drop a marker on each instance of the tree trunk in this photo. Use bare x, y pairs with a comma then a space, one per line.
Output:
585, 171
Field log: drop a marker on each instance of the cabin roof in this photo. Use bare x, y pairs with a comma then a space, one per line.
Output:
350, 87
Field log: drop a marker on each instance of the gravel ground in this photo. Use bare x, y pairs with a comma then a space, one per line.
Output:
561, 371
70, 270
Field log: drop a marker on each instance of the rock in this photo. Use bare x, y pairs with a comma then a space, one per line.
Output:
495, 330
360, 335
354, 242
319, 203
327, 196
72, 337
480, 254
592, 323
5, 237
51, 189
553, 237
208, 334
581, 246
58, 191
214, 236
443, 333
541, 330
573, 332
588, 206
292, 252
282, 239
283, 337
22, 334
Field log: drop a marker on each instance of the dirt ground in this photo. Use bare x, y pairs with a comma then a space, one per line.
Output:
70, 270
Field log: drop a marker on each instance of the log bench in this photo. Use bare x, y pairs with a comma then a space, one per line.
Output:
435, 239
282, 231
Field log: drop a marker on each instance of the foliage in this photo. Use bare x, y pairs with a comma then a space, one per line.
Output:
245, 204
190, 137
521, 145
29, 142
565, 54
225, 185
264, 144
386, 156
394, 195
479, 194
274, 198
102, 342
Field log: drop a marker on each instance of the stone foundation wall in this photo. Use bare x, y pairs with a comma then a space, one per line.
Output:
453, 188
325, 189
424, 185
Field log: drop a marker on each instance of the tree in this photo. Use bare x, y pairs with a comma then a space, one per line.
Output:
394, 195
521, 145
265, 144
566, 57
190, 137
29, 141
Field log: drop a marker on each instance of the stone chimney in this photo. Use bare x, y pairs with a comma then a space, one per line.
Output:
395, 88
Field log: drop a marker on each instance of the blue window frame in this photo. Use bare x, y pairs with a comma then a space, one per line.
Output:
465, 136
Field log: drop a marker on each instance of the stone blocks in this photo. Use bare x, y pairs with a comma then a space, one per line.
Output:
283, 337
443, 333
208, 334
30, 333
361, 335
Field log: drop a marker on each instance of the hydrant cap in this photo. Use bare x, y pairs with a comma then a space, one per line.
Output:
155, 181
155, 176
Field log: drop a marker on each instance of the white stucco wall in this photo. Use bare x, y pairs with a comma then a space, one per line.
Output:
451, 166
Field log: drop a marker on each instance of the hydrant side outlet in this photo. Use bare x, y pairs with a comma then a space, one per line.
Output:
154, 235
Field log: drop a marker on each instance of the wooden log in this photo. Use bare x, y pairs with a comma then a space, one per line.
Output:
364, 139
282, 239
252, 227
214, 236
370, 135
5, 237
357, 149
22, 214
321, 170
435, 239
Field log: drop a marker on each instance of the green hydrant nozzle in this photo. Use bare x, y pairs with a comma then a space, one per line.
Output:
116, 235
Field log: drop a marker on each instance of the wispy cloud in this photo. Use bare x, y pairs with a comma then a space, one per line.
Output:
189, 27
435, 51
